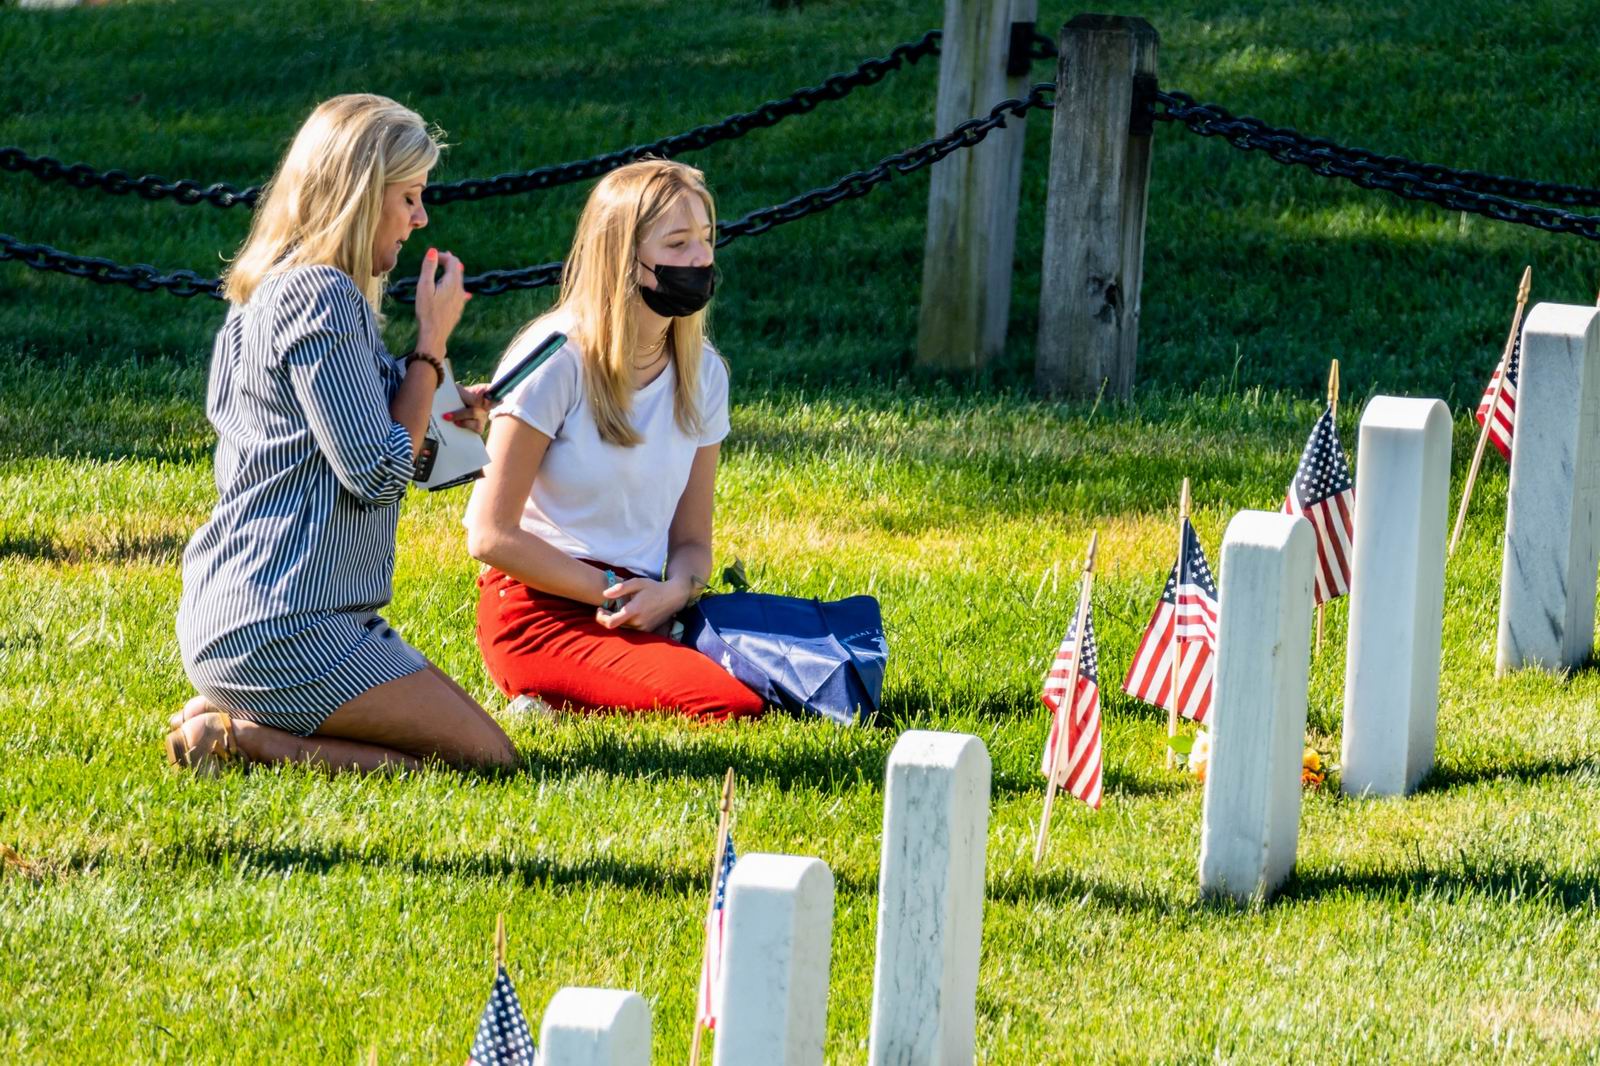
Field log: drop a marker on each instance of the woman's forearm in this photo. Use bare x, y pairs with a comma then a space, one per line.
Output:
413, 401
537, 563
689, 564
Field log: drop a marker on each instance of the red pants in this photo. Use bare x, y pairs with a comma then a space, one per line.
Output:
544, 645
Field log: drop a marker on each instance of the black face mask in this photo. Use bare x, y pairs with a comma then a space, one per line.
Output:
680, 290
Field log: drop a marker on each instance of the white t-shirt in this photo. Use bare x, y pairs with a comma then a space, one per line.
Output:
597, 500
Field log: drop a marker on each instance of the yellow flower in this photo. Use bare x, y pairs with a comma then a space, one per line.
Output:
1200, 754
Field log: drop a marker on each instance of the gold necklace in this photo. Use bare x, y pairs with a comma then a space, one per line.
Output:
659, 350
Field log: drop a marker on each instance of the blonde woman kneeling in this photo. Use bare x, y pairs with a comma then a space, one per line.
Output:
317, 425
605, 459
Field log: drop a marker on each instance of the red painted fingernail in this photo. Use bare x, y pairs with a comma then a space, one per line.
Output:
449, 418
432, 252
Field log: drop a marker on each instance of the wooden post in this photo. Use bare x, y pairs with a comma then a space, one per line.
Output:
1174, 653
972, 195
1494, 403
1094, 214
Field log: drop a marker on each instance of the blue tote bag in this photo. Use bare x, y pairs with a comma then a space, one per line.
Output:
805, 656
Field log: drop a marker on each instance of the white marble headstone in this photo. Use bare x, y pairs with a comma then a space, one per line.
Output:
1251, 822
776, 951
595, 1027
930, 901
1547, 575
1391, 679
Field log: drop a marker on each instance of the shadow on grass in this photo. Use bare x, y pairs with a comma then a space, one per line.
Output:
1525, 770
830, 769
1062, 886
528, 872
1514, 881
1509, 881
134, 547
690, 879
829, 761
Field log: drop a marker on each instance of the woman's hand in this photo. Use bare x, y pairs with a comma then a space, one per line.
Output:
649, 605
475, 415
440, 301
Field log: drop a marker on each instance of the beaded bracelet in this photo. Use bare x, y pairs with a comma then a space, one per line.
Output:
432, 360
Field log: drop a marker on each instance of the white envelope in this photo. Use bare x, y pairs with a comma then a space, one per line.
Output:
449, 454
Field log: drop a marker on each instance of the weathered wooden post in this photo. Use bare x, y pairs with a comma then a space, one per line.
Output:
1094, 214
972, 196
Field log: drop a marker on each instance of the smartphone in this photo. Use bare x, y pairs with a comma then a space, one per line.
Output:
502, 386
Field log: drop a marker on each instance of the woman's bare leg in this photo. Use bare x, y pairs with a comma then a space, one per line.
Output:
202, 730
260, 743
397, 724
424, 715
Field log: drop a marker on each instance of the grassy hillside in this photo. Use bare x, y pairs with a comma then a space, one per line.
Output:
283, 916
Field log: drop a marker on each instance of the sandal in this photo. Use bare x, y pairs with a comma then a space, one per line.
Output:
208, 757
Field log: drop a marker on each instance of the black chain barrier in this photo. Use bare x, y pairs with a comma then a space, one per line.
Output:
145, 278
851, 186
802, 101
1455, 190
139, 276
1421, 182
1213, 121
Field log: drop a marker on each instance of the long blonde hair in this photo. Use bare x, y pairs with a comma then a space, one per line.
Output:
600, 287
322, 206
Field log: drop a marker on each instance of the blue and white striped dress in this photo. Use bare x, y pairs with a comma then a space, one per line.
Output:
278, 620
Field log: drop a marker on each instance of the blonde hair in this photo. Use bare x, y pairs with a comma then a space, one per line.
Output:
600, 286
322, 206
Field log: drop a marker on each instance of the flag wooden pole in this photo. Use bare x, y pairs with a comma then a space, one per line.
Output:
723, 820
499, 942
1064, 711
1333, 409
1494, 406
1172, 648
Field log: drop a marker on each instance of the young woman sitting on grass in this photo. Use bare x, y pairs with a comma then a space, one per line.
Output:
603, 464
317, 426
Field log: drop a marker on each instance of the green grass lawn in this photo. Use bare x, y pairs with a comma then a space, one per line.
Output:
286, 916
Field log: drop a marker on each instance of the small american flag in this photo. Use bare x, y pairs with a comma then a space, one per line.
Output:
710, 1004
503, 1036
1323, 494
1079, 769
1505, 411
1187, 613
